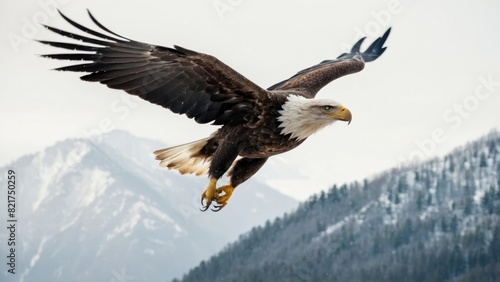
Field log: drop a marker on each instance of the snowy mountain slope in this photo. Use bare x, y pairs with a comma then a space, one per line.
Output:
92, 210
434, 221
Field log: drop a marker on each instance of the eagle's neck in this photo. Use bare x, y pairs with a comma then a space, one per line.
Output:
298, 120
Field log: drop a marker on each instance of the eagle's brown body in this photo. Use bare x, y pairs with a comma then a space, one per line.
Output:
254, 146
256, 123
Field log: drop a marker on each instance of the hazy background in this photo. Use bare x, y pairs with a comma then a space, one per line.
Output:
437, 85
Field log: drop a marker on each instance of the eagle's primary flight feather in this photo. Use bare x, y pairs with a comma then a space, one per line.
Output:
256, 123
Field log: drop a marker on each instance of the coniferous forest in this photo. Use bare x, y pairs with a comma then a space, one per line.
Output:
434, 221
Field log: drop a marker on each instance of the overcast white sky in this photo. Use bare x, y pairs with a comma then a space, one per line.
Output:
436, 87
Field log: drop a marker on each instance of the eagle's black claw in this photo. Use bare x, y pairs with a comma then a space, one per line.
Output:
204, 208
217, 208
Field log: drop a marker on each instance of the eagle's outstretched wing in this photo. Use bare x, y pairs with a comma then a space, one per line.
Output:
309, 81
184, 81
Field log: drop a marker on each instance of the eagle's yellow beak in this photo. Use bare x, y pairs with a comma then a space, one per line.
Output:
341, 114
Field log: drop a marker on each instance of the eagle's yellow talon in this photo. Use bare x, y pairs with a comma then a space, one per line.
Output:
228, 191
209, 194
220, 195
222, 199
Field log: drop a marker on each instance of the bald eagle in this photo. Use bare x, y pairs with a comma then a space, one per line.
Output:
257, 123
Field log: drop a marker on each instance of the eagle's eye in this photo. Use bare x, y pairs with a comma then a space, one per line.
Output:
328, 108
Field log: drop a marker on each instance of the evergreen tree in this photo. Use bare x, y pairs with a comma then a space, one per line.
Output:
419, 200
494, 249
483, 162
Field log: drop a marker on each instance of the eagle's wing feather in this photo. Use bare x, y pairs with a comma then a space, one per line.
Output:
309, 81
184, 81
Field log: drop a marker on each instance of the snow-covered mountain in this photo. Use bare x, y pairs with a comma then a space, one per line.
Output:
103, 210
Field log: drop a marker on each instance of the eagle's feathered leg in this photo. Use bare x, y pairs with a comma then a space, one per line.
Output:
242, 170
222, 159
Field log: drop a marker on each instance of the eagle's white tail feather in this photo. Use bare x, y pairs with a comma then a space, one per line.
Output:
185, 158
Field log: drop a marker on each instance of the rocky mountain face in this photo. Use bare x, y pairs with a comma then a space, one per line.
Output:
103, 210
434, 221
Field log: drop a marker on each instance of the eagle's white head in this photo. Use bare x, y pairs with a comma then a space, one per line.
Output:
301, 117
